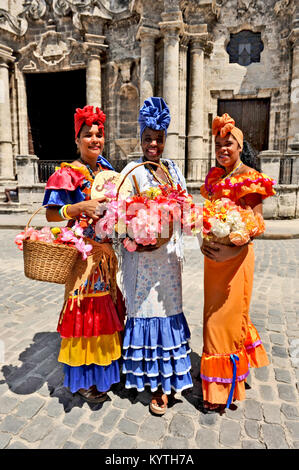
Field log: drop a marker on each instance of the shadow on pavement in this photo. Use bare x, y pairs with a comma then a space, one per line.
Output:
40, 366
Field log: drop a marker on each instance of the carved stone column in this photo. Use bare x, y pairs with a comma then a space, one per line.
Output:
22, 113
171, 28
196, 110
294, 100
94, 45
147, 37
6, 154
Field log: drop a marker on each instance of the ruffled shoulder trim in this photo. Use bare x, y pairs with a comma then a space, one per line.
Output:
67, 176
237, 186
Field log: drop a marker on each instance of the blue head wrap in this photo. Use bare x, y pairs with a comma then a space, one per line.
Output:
154, 114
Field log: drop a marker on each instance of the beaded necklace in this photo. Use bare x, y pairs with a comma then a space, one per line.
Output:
232, 172
165, 169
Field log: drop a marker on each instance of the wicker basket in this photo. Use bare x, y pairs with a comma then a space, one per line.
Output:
48, 262
160, 241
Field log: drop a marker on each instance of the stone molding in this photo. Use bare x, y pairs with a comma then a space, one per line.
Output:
6, 55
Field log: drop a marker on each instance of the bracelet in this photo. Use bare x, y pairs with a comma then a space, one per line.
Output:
63, 213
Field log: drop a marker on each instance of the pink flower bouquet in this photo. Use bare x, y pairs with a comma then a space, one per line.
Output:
148, 218
71, 236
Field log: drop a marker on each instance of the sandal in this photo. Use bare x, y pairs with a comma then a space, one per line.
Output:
92, 395
159, 402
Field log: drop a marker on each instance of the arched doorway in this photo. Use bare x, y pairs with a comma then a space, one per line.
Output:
51, 102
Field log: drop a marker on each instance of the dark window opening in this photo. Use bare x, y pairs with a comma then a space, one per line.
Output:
245, 47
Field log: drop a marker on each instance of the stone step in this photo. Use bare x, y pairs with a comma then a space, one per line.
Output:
12, 208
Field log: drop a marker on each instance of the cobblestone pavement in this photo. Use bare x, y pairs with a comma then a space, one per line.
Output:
37, 412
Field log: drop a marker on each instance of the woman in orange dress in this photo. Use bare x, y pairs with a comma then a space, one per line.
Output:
231, 342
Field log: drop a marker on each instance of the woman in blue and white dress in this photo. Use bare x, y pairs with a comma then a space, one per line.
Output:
155, 346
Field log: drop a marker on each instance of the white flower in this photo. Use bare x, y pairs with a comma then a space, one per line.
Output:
220, 229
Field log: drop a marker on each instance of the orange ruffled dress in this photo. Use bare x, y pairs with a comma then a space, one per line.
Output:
231, 342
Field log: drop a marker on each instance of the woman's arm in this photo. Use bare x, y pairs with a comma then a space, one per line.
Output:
74, 210
218, 252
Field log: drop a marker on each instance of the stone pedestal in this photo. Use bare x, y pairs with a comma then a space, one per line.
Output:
270, 163
6, 153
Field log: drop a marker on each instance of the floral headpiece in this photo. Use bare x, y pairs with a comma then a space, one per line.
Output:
224, 125
88, 116
154, 114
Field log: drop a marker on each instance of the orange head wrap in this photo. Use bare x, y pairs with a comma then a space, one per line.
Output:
88, 116
224, 125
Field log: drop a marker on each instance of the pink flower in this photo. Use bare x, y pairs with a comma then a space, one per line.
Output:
130, 245
19, 240
68, 236
110, 190
85, 249
77, 229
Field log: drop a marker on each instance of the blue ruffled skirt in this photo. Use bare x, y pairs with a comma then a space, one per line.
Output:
156, 352
87, 375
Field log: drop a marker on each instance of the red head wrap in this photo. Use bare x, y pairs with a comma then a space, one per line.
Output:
87, 116
224, 125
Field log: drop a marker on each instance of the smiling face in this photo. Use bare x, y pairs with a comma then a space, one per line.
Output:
90, 142
227, 151
153, 143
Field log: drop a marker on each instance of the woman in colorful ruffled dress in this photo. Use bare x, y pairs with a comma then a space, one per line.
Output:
155, 346
231, 342
93, 313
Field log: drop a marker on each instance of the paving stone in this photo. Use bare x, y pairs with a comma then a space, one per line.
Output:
272, 413
170, 442
252, 444
121, 441
266, 392
262, 373
128, 427
181, 426
286, 392
252, 428
279, 351
37, 429
152, 428
208, 419
253, 410
95, 441
137, 412
7, 404
230, 432
207, 439
17, 445
83, 431
73, 417
274, 436
4, 439
29, 407
290, 411
293, 429
71, 445
282, 375
56, 438
110, 421
12, 424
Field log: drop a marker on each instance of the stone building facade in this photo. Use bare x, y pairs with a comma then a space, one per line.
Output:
203, 56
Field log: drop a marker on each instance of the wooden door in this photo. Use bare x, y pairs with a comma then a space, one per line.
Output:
252, 117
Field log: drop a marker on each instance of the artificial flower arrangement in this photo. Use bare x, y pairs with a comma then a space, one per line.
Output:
70, 236
228, 223
147, 218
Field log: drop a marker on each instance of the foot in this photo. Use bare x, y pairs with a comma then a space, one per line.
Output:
92, 395
159, 402
213, 406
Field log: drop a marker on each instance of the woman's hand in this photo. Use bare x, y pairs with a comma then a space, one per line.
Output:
218, 252
75, 210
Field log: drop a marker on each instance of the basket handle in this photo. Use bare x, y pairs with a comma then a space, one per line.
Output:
34, 213
136, 166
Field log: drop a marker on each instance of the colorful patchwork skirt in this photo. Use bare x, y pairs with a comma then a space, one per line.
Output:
91, 341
